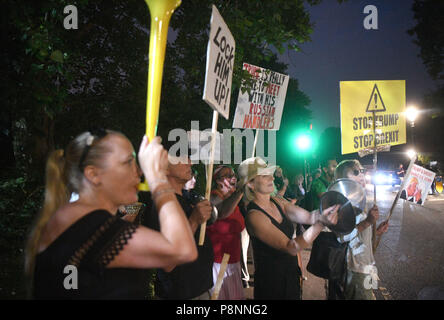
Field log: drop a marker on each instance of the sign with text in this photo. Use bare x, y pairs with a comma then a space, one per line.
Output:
359, 101
262, 107
418, 184
220, 64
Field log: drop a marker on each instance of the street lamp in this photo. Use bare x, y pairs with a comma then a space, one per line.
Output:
411, 114
411, 153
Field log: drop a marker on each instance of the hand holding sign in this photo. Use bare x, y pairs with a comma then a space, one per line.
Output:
217, 90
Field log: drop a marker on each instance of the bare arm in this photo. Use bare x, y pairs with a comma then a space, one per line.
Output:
227, 206
174, 244
297, 214
371, 219
261, 227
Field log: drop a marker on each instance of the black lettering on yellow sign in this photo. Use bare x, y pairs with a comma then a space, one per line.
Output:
366, 140
386, 120
375, 104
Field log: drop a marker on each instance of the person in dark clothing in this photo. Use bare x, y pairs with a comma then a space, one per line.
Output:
269, 222
81, 249
193, 280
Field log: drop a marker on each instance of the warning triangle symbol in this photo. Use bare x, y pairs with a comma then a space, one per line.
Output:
375, 104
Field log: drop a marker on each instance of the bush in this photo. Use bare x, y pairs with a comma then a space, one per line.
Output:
20, 202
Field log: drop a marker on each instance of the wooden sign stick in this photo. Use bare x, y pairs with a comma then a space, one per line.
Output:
220, 276
412, 162
375, 167
203, 226
255, 142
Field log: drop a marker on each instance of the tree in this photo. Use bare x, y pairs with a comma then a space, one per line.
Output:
430, 39
96, 75
329, 145
429, 35
295, 118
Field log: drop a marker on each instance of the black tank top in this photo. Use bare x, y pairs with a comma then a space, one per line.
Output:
277, 273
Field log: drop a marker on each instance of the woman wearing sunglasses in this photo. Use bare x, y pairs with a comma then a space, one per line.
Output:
81, 249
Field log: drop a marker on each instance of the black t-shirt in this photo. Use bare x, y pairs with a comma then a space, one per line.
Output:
188, 280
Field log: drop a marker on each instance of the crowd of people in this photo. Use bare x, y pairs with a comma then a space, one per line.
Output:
255, 203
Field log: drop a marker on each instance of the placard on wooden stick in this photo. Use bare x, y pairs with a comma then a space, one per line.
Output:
217, 89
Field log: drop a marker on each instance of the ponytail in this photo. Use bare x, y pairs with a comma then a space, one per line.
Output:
56, 195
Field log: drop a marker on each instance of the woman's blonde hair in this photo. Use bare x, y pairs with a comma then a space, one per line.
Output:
63, 176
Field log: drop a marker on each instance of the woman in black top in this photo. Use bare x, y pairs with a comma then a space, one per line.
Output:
269, 222
82, 250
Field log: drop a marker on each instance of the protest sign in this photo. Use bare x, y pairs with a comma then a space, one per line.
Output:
217, 90
417, 186
220, 64
363, 100
262, 106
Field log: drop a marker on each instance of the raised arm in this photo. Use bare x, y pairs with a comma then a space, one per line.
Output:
227, 206
260, 226
174, 244
299, 215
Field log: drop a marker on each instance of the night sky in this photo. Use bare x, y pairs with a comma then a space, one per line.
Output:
342, 49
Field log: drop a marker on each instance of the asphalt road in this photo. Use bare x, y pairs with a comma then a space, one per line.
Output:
410, 256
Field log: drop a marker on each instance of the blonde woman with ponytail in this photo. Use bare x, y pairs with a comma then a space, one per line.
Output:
82, 250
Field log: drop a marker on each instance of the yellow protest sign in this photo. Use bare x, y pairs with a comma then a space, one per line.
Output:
359, 101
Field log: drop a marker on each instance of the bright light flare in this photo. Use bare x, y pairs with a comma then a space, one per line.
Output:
303, 142
411, 153
411, 113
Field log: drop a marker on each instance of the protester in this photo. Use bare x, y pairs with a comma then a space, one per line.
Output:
225, 235
400, 173
193, 280
109, 256
298, 189
320, 185
269, 223
361, 266
281, 185
312, 201
188, 190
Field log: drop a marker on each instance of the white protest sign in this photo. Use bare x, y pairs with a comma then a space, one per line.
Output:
220, 64
262, 107
417, 185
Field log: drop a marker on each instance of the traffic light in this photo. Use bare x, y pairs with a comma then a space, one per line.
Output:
303, 142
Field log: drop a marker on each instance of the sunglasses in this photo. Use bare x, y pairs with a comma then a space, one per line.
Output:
356, 172
95, 135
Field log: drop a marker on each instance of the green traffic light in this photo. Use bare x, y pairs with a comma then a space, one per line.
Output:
303, 142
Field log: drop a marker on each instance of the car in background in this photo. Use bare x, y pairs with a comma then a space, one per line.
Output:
382, 177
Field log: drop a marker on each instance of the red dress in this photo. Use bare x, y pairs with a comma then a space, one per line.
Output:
225, 235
